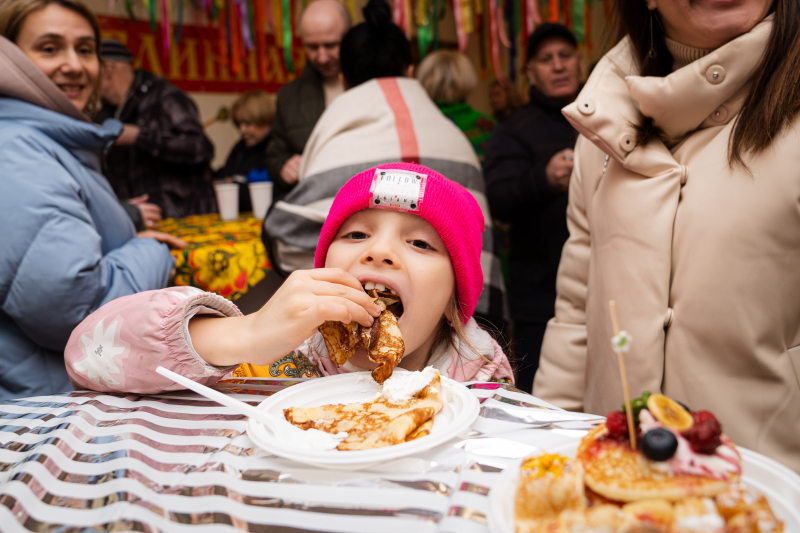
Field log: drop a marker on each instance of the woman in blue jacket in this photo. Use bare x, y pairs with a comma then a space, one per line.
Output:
67, 246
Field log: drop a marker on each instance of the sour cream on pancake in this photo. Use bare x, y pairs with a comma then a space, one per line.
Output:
402, 386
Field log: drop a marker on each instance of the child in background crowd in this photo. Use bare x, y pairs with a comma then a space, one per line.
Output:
426, 246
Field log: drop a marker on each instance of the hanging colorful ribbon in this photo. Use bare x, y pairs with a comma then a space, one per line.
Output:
553, 11
225, 33
270, 16
287, 35
577, 20
129, 9
532, 17
424, 30
494, 40
462, 9
236, 38
502, 27
244, 26
179, 25
260, 15
479, 27
165, 42
150, 5
277, 21
397, 14
408, 15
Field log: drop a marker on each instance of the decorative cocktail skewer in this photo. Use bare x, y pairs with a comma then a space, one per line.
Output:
622, 343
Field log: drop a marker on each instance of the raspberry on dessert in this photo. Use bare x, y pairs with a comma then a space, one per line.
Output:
617, 425
704, 435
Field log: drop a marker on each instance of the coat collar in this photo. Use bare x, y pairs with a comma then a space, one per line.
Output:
708, 92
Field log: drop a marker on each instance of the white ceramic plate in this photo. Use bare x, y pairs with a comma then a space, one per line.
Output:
455, 419
780, 485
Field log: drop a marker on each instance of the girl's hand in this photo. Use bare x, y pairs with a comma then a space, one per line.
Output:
304, 301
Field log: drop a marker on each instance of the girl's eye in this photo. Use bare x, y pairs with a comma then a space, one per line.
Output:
418, 243
48, 49
356, 235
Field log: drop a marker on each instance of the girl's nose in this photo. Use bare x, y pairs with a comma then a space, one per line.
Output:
381, 252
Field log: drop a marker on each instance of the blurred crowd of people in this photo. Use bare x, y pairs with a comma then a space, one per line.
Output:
94, 152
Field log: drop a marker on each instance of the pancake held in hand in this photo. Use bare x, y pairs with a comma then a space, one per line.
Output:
388, 348
377, 423
342, 340
383, 341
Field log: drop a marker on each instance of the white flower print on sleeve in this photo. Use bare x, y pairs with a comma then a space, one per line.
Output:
100, 351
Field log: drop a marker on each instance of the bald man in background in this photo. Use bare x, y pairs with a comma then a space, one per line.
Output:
301, 102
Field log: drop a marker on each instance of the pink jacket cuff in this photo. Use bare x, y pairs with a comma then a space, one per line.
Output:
119, 346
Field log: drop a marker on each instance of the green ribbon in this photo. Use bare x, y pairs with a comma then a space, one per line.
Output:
129, 9
578, 21
287, 35
251, 21
424, 34
153, 15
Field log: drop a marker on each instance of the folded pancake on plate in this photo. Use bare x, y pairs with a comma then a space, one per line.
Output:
383, 341
377, 423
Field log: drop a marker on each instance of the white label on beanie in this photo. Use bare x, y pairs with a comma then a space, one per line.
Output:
397, 189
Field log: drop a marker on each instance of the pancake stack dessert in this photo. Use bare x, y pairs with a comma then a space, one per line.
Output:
383, 341
684, 476
403, 412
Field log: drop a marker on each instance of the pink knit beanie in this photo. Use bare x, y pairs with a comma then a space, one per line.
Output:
447, 206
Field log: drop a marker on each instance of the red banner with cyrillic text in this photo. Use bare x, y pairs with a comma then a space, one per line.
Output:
195, 63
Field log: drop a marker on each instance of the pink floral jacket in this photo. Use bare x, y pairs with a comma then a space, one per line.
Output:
118, 347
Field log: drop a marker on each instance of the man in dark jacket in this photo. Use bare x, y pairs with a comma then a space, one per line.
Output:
528, 166
302, 102
162, 150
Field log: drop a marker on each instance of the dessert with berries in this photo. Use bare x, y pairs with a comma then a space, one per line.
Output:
680, 453
682, 477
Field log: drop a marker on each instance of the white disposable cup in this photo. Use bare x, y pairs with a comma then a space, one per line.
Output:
260, 197
227, 200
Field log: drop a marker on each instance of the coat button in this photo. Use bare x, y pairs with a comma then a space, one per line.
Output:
668, 318
627, 142
715, 74
684, 174
586, 107
719, 114
145, 88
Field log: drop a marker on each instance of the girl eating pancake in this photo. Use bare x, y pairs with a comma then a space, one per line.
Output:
400, 228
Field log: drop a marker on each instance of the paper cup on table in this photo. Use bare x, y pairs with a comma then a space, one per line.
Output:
227, 200
260, 197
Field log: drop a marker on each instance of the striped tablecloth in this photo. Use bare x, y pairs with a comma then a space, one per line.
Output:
101, 462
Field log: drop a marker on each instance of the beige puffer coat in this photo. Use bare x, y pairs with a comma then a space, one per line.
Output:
702, 259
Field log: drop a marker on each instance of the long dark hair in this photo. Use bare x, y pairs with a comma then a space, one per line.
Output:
376, 48
774, 97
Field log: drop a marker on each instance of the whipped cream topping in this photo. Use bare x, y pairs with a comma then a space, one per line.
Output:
724, 461
402, 386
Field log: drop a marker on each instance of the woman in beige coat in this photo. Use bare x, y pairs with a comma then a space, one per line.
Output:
685, 209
